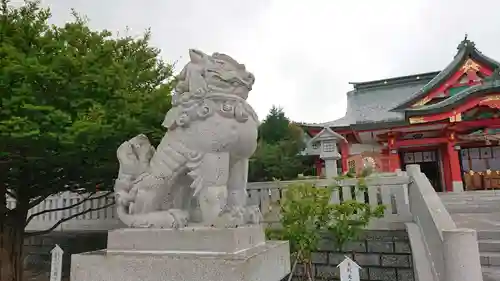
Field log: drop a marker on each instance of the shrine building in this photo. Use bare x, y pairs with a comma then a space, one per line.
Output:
446, 121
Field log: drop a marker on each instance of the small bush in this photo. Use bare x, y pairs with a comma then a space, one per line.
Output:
306, 215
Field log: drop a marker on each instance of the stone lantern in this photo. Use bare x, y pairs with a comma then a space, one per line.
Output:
327, 141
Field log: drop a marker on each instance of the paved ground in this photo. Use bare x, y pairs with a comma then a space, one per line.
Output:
490, 273
479, 210
478, 221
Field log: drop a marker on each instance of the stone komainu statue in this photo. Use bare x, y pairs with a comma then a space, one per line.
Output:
198, 172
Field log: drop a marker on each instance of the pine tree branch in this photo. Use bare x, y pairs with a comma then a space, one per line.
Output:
44, 193
49, 230
49, 192
87, 198
10, 194
35, 202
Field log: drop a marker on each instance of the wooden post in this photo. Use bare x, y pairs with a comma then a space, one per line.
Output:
344, 152
319, 167
56, 264
454, 160
393, 155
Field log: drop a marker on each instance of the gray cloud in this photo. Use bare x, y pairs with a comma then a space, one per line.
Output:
304, 53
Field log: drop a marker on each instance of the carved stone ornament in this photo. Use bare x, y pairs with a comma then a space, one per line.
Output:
197, 174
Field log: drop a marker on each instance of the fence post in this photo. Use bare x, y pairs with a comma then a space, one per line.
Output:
413, 169
461, 255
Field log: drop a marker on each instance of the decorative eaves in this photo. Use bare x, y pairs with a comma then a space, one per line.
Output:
466, 49
490, 84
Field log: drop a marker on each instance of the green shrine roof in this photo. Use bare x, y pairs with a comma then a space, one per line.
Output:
379, 103
491, 84
466, 50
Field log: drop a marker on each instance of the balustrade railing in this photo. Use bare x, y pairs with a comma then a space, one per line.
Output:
72, 207
441, 251
389, 191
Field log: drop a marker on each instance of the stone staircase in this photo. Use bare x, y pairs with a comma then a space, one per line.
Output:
479, 210
489, 248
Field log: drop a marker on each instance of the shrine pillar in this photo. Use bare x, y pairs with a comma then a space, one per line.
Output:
344, 153
393, 155
454, 165
394, 161
318, 165
445, 160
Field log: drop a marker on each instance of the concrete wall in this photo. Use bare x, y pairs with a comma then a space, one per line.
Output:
37, 251
382, 254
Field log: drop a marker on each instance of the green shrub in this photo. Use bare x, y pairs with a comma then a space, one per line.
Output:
306, 215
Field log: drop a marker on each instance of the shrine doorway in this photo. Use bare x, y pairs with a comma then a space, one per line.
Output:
429, 165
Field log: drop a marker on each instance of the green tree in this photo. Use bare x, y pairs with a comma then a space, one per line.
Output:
69, 96
278, 152
275, 127
275, 161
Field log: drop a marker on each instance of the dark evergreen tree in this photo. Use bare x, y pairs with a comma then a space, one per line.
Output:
278, 152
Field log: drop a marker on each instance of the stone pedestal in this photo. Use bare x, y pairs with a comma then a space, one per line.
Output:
331, 167
192, 253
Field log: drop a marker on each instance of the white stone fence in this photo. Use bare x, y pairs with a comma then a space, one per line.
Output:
390, 191
98, 220
441, 251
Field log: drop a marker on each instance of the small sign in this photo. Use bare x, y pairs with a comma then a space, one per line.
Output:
349, 270
56, 264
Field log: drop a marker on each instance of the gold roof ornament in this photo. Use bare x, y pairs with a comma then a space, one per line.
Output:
416, 120
470, 65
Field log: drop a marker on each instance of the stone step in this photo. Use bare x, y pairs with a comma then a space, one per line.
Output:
470, 201
476, 199
490, 258
489, 245
479, 221
472, 193
488, 235
470, 197
451, 199
491, 273
472, 209
456, 204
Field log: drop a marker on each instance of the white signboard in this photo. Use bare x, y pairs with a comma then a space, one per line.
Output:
349, 270
56, 265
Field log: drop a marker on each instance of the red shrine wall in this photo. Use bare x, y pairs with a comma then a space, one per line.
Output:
355, 163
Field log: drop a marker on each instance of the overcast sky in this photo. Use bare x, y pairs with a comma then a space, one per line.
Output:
304, 53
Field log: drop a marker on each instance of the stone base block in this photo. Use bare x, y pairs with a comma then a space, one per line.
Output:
194, 254
457, 186
188, 239
268, 262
